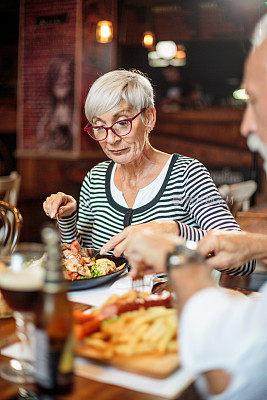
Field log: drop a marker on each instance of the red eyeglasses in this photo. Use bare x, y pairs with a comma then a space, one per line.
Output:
120, 128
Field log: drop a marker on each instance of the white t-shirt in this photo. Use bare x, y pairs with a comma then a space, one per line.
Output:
146, 194
218, 331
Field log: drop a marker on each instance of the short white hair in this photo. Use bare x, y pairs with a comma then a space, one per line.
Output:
260, 32
115, 86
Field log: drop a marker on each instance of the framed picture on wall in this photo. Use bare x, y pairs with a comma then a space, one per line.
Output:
49, 83
59, 59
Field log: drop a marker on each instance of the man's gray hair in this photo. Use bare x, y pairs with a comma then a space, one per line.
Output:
115, 86
260, 32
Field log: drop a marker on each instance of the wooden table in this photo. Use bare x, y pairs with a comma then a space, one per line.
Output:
251, 282
84, 389
254, 220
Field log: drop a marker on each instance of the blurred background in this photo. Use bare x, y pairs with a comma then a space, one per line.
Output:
52, 51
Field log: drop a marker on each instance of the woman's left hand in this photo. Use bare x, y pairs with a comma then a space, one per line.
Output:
120, 241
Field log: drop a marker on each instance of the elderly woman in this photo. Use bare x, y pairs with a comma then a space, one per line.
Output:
139, 184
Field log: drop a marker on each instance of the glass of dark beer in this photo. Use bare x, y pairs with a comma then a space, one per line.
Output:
21, 281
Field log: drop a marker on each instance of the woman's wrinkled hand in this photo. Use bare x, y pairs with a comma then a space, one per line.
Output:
121, 241
59, 205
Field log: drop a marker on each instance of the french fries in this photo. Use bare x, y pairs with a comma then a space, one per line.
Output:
151, 331
142, 331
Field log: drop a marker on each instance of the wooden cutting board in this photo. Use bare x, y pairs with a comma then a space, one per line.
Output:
153, 366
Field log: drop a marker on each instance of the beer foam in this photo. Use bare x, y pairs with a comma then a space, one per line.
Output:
27, 280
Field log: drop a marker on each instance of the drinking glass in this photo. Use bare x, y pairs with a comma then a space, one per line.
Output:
20, 283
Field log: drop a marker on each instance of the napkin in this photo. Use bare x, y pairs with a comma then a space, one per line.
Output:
94, 297
169, 387
126, 283
98, 295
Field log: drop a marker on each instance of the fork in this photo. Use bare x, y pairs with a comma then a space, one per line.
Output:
159, 283
139, 284
93, 252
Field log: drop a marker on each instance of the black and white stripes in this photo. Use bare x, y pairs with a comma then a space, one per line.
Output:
187, 195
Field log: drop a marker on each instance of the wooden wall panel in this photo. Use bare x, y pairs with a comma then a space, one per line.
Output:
208, 154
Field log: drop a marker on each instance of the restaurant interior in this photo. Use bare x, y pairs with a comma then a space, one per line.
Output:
193, 51
213, 38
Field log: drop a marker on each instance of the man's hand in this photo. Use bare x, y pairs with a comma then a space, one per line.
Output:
232, 249
147, 251
120, 241
59, 205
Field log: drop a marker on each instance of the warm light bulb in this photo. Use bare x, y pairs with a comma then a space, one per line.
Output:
104, 31
166, 49
180, 54
148, 39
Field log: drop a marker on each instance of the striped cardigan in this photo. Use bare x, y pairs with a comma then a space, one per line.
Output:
187, 195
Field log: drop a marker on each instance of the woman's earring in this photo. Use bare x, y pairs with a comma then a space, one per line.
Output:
149, 129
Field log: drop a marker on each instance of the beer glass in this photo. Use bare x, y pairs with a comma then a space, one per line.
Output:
21, 281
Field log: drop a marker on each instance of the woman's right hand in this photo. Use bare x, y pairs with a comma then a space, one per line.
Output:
59, 205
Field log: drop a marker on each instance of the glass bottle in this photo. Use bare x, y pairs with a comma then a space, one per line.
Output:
54, 334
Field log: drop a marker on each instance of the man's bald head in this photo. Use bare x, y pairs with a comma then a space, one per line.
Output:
260, 32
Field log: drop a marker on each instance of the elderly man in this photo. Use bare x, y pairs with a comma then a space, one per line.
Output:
223, 338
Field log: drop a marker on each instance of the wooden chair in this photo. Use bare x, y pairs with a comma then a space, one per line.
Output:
238, 195
10, 224
9, 188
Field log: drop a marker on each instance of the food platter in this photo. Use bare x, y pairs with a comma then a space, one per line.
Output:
100, 280
135, 332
